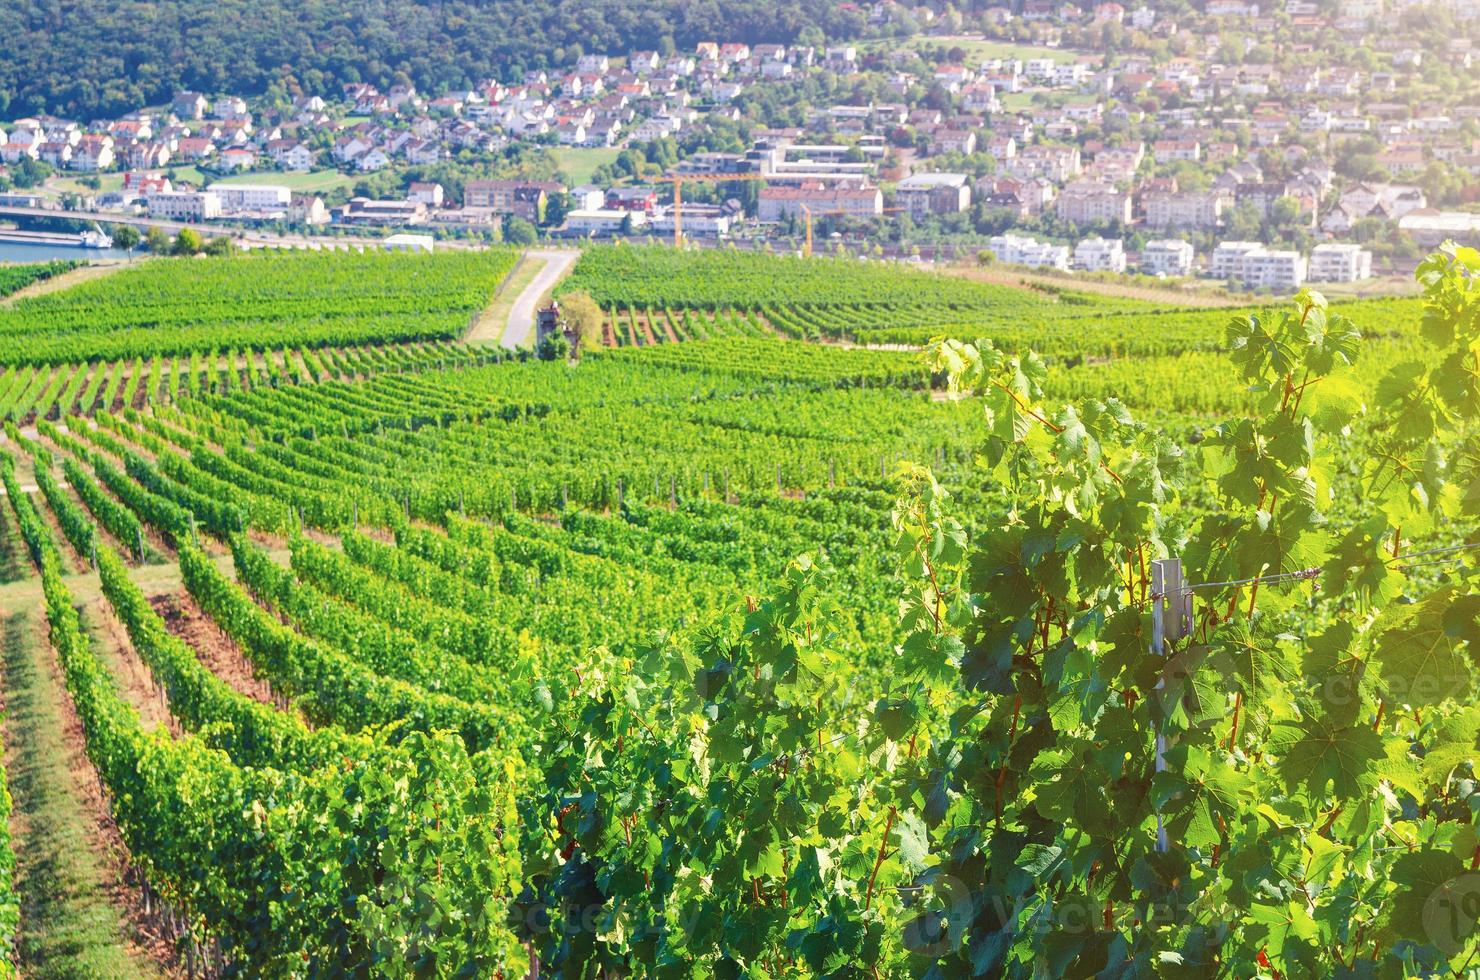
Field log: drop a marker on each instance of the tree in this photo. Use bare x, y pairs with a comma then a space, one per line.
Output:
517, 231
556, 208
584, 318
187, 242
126, 237
157, 241
29, 173
554, 347
1245, 222
220, 246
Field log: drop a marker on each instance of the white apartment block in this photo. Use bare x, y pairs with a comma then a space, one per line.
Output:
185, 205
1340, 262
252, 197
1100, 255
1022, 250
1274, 269
1228, 259
1167, 257
603, 221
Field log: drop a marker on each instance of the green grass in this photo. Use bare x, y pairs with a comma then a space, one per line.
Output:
74, 185
495, 319
69, 925
579, 162
978, 49
315, 181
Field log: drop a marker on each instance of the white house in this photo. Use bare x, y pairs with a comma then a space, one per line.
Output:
374, 159
428, 193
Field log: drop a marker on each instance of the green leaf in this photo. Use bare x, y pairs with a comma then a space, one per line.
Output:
1419, 660
1317, 754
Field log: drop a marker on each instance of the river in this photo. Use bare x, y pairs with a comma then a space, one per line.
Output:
26, 252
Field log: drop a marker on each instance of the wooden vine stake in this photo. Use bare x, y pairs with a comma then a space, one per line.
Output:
1171, 620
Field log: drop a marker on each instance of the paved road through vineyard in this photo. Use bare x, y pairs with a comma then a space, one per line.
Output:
520, 331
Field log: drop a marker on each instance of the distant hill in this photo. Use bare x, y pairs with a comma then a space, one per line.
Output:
93, 58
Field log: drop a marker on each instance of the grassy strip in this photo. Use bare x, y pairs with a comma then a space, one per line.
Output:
494, 320
69, 925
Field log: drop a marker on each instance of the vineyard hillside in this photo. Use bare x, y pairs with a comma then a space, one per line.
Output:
831, 618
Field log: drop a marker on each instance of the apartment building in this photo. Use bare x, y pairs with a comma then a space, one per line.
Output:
925, 194
1100, 255
1273, 269
1228, 259
853, 199
1086, 202
1167, 257
1185, 209
1022, 250
184, 205
1340, 262
252, 197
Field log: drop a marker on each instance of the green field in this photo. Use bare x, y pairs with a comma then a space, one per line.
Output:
820, 624
978, 49
579, 163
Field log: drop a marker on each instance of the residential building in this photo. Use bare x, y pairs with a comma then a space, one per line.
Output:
953, 141
1273, 269
1228, 259
189, 105
925, 194
1100, 255
1088, 201
184, 205
699, 221
430, 194
522, 198
1185, 209
1022, 250
1429, 227
363, 211
92, 153
857, 199
1340, 262
1167, 257
307, 209
603, 221
1167, 151
252, 197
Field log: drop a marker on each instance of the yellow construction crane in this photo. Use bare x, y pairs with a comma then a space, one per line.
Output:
807, 214
677, 181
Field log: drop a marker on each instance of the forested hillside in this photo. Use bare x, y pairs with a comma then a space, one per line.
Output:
109, 56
